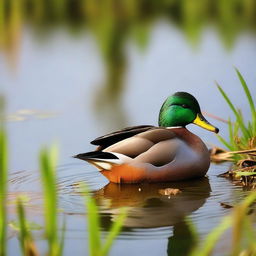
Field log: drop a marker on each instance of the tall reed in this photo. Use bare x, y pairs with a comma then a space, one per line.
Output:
27, 244
50, 195
242, 134
3, 180
97, 247
243, 236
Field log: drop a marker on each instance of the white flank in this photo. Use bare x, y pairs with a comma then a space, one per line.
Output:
103, 165
107, 164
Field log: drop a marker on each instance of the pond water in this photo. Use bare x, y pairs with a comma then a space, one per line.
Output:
57, 92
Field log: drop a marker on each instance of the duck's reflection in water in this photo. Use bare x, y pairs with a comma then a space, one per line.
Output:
152, 205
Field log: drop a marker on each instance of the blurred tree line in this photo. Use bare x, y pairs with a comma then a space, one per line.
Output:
113, 21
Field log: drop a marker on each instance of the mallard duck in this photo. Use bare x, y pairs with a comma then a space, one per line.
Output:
148, 153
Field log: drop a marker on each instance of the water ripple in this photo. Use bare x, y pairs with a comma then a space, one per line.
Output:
151, 214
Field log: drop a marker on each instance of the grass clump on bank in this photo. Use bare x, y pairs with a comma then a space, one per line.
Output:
242, 135
242, 140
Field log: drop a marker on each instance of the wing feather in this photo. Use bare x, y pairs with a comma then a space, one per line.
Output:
148, 146
114, 137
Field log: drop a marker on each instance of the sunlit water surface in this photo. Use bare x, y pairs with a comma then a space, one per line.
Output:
53, 95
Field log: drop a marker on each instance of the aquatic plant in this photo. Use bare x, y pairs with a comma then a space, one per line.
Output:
97, 247
49, 184
50, 196
241, 134
241, 142
3, 181
243, 231
55, 243
212, 238
27, 243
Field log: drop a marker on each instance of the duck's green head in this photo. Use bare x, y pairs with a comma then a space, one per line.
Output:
181, 109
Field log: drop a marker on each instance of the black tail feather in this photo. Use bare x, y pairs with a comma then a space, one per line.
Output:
95, 154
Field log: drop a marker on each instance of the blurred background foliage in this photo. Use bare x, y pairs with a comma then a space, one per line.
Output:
113, 21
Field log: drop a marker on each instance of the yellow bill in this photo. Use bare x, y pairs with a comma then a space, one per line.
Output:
202, 122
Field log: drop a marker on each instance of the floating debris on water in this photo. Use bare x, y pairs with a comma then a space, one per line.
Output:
169, 191
226, 206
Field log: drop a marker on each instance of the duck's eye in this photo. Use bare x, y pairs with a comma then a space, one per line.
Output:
185, 106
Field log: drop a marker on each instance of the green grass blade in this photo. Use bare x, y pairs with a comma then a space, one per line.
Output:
238, 117
212, 238
96, 248
230, 128
249, 200
93, 222
250, 100
244, 173
48, 177
239, 216
3, 190
231, 135
224, 142
238, 222
236, 129
227, 100
114, 231
192, 229
247, 92
249, 232
250, 129
193, 233
22, 226
27, 244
